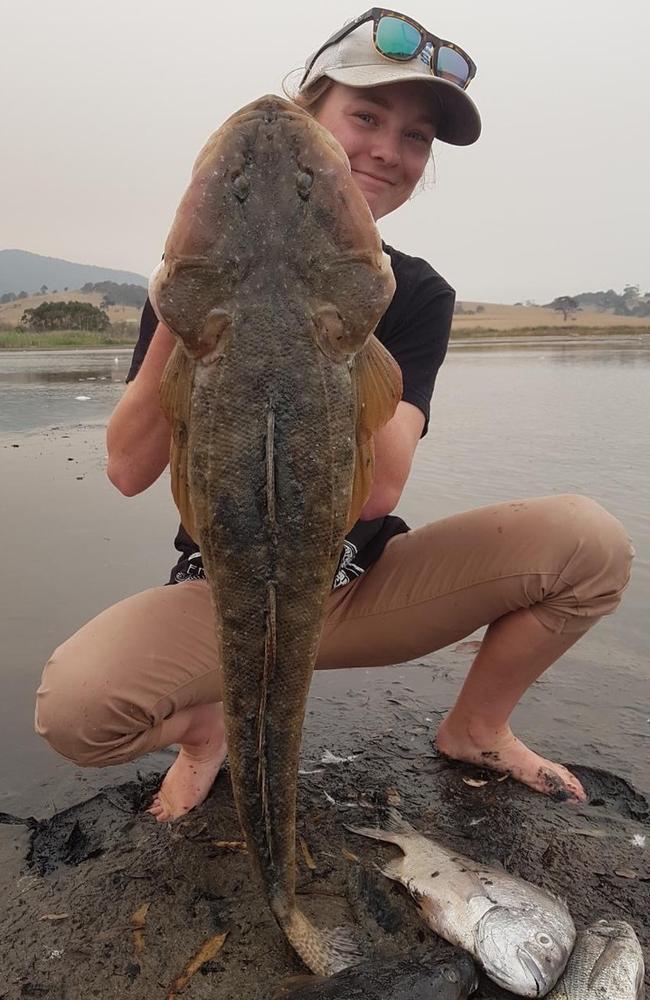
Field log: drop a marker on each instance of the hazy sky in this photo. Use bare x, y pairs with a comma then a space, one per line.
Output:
106, 105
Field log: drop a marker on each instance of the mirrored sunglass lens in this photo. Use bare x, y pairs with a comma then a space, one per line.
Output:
397, 38
452, 66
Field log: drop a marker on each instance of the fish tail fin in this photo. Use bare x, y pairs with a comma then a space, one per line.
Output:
396, 823
325, 952
396, 830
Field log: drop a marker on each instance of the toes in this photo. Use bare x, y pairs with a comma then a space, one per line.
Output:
561, 785
160, 808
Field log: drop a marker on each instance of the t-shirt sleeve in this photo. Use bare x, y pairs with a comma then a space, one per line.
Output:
148, 324
416, 331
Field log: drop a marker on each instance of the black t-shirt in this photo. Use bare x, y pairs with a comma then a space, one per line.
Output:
415, 329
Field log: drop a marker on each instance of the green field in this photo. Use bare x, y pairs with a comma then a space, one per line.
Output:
15, 340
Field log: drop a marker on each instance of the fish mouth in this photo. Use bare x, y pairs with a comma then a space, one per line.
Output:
533, 970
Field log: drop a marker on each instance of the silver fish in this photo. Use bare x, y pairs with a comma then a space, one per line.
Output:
607, 964
520, 934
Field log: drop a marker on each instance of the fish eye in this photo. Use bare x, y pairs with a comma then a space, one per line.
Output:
544, 939
241, 185
304, 181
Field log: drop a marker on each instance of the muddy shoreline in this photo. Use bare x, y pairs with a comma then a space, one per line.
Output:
72, 884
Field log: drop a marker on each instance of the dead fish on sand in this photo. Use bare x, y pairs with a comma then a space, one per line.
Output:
273, 281
520, 934
400, 979
606, 964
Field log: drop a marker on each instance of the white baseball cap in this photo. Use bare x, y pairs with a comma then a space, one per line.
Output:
355, 62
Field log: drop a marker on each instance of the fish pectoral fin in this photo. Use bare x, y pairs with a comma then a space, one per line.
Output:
377, 380
612, 954
175, 400
378, 387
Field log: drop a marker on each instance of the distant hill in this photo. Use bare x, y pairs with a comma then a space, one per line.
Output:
21, 270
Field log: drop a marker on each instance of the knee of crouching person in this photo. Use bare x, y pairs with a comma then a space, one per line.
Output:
75, 721
606, 542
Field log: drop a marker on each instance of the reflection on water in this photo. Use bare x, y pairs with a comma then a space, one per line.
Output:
47, 388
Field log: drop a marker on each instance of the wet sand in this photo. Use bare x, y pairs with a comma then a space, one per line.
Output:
78, 856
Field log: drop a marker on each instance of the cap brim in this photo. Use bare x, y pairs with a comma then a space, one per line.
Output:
460, 123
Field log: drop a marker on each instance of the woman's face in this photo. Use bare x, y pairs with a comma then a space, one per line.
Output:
387, 133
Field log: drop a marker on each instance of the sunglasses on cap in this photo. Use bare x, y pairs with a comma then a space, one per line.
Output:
396, 36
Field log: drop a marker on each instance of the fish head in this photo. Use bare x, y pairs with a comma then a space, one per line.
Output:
459, 972
524, 950
272, 208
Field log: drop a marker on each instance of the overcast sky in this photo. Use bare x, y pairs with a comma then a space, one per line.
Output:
105, 106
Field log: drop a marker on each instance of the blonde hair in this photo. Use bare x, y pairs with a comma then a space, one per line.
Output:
309, 98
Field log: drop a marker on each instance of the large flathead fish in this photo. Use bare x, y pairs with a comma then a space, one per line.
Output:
521, 934
606, 964
273, 281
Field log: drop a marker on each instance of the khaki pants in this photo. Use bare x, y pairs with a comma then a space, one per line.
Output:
107, 692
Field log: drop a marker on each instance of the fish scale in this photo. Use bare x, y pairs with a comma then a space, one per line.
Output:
606, 964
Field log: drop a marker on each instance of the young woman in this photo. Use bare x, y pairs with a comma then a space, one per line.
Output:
144, 674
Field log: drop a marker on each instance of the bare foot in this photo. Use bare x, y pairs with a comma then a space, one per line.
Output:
501, 751
199, 760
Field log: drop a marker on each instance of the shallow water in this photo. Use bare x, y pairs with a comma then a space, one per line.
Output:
46, 388
508, 421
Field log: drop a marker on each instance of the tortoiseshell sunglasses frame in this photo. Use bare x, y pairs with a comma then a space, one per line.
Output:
375, 14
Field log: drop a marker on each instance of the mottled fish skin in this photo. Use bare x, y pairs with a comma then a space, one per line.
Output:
520, 934
401, 979
606, 964
273, 280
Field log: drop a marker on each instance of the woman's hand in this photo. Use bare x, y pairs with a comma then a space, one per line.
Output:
395, 445
138, 434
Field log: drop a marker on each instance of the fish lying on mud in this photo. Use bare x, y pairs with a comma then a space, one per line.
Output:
400, 979
520, 934
273, 280
606, 964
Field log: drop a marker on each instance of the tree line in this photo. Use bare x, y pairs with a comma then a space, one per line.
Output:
114, 294
630, 303
118, 294
65, 316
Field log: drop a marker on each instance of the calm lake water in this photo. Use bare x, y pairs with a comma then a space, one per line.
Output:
48, 388
508, 421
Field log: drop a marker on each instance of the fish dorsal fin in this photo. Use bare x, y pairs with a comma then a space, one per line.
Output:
377, 380
175, 400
